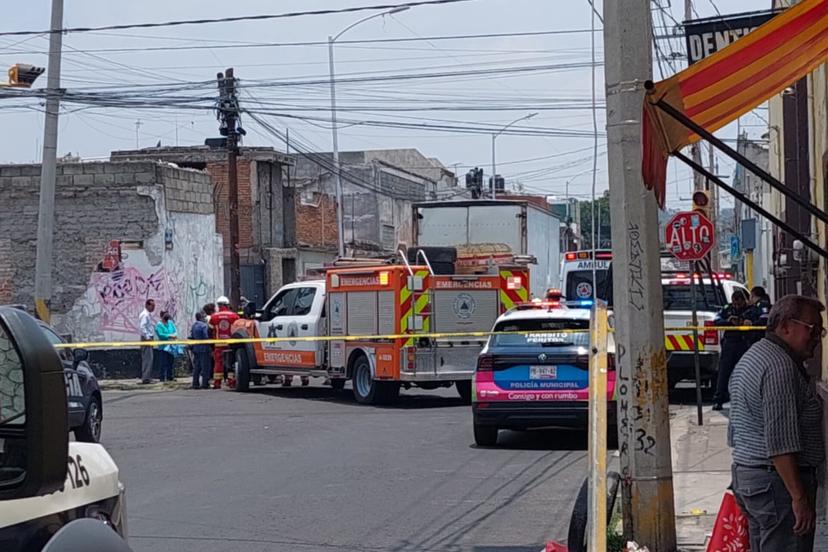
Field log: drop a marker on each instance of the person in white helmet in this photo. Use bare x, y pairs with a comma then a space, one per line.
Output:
222, 322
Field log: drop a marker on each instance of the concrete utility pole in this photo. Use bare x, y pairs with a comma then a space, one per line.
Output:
229, 113
695, 152
643, 417
46, 210
713, 194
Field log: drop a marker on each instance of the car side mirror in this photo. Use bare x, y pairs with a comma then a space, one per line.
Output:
80, 355
34, 426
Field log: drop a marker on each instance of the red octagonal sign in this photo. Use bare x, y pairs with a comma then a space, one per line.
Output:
689, 236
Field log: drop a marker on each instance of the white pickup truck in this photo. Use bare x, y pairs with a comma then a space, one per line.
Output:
678, 313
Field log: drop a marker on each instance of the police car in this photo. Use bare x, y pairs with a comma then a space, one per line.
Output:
536, 374
54, 495
83, 395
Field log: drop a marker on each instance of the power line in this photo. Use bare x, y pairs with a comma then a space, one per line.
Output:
342, 42
261, 17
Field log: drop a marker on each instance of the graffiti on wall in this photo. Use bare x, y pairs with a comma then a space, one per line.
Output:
181, 275
122, 295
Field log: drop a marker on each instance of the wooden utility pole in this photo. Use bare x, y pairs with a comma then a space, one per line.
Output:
229, 117
643, 417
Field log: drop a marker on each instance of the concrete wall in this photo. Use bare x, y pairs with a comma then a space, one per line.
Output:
376, 208
159, 217
304, 262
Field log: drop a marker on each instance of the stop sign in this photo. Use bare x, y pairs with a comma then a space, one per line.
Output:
689, 236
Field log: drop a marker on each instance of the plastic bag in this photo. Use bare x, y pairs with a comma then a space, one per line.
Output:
730, 532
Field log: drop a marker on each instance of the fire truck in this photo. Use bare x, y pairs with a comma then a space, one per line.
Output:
381, 325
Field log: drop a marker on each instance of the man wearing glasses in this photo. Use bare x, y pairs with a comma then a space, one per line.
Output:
775, 429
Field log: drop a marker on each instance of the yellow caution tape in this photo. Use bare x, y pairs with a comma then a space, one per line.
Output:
387, 337
237, 340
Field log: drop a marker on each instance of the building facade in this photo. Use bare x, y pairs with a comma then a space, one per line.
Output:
124, 232
265, 207
377, 197
798, 156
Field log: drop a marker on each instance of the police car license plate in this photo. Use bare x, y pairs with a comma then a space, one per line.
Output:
543, 372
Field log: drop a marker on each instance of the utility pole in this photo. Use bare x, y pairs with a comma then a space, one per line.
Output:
340, 215
493, 186
713, 194
643, 417
695, 152
229, 116
46, 208
138, 124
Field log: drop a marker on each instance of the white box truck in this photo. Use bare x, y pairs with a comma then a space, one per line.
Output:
484, 230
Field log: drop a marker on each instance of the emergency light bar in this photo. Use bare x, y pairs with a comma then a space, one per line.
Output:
587, 255
697, 275
539, 305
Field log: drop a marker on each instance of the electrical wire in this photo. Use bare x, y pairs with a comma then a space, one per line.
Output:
261, 17
339, 43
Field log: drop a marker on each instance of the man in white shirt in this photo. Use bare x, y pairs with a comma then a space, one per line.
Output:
146, 327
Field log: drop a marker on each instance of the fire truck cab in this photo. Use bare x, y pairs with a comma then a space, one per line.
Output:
382, 326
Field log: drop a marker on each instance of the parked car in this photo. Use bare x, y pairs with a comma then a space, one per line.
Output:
535, 376
83, 394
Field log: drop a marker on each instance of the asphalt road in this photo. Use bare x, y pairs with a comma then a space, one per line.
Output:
309, 469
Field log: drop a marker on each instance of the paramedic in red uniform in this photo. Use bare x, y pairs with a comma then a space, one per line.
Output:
222, 322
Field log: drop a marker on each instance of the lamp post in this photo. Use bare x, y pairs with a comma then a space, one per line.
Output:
494, 137
340, 219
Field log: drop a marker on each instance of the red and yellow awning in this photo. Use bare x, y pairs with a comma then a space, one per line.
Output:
731, 82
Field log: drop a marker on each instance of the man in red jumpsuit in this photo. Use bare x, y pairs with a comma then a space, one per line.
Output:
222, 322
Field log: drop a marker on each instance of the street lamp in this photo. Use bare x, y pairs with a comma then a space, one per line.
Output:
340, 219
494, 137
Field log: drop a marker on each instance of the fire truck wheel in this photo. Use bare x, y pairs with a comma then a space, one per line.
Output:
242, 370
366, 390
485, 436
464, 390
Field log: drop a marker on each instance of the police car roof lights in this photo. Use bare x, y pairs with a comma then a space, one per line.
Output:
539, 305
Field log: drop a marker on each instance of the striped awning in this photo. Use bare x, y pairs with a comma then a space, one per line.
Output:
717, 90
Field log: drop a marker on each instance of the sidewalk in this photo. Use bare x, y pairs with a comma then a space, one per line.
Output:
701, 474
136, 385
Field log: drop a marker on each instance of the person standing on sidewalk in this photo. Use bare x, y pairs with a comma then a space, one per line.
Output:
209, 310
146, 327
201, 353
734, 343
166, 331
761, 303
775, 429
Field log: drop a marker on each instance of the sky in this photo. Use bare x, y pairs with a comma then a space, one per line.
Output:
502, 78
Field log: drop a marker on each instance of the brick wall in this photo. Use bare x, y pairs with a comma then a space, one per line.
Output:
218, 173
315, 219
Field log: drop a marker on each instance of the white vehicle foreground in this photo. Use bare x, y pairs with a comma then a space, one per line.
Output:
92, 490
